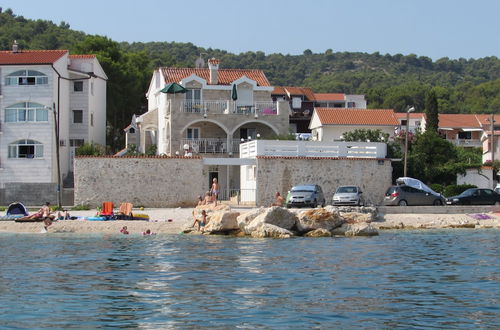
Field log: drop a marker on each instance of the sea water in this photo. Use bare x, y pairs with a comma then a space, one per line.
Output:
400, 279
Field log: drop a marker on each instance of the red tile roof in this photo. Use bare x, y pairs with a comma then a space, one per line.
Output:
31, 57
352, 116
329, 96
448, 120
413, 115
225, 76
289, 90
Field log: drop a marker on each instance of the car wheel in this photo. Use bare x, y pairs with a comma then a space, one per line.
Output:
437, 202
403, 203
314, 204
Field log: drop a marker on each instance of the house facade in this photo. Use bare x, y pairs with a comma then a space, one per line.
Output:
217, 111
330, 124
45, 94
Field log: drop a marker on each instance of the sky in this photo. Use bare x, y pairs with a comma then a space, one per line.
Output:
433, 28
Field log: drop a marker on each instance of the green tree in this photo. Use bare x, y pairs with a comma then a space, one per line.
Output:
363, 135
431, 111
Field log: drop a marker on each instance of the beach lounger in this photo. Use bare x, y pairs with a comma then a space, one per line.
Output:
125, 212
107, 209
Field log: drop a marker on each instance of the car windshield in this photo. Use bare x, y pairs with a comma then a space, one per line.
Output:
343, 190
468, 192
390, 191
303, 189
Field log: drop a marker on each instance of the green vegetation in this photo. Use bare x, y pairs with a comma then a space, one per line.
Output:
364, 135
388, 81
91, 149
81, 207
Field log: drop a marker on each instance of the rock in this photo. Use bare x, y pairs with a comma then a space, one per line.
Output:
267, 230
318, 219
246, 218
275, 215
355, 229
221, 221
210, 208
320, 232
356, 217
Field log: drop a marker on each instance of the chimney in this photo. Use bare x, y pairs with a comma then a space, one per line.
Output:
213, 67
15, 47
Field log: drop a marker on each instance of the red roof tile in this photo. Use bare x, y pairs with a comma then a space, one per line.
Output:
82, 56
413, 115
289, 90
329, 96
225, 76
352, 116
449, 120
31, 57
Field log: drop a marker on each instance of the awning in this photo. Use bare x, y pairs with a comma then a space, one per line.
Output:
472, 129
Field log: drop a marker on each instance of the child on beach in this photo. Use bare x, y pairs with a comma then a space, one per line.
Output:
215, 190
201, 223
124, 230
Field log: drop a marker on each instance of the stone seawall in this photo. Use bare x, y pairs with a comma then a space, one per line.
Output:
282, 173
146, 181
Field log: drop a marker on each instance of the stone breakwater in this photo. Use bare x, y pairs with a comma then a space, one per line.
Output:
278, 222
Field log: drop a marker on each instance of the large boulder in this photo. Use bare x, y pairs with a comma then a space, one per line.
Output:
210, 208
267, 230
357, 217
318, 219
221, 221
355, 229
245, 218
276, 215
320, 232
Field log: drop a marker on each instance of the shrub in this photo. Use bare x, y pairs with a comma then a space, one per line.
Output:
81, 207
453, 190
437, 188
91, 149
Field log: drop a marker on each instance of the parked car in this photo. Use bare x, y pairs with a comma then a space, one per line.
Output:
348, 195
475, 196
404, 195
305, 195
497, 189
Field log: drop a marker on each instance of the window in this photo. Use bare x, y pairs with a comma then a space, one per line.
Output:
193, 133
296, 102
26, 112
131, 130
465, 135
26, 149
91, 119
76, 142
78, 86
403, 122
77, 116
351, 104
26, 77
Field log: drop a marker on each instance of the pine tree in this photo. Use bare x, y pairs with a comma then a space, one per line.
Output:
431, 111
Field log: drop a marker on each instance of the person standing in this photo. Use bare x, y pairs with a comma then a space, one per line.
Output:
215, 190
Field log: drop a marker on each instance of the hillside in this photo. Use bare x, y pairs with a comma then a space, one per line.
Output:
388, 81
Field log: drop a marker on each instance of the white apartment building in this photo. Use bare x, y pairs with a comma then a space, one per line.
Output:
44, 94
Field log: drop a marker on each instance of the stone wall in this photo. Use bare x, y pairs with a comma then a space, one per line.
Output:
146, 181
282, 173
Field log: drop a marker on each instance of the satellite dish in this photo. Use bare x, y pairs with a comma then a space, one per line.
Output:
199, 63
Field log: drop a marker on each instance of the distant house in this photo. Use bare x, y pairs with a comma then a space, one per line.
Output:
416, 122
303, 100
463, 130
330, 124
41, 92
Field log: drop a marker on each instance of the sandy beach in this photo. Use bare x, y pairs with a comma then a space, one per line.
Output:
174, 220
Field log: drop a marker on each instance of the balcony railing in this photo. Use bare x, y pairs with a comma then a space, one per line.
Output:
466, 142
228, 107
212, 145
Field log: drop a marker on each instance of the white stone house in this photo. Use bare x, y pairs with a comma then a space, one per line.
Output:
220, 108
415, 123
41, 92
330, 124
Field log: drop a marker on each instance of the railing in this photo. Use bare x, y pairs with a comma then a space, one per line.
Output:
229, 107
211, 145
467, 142
237, 196
256, 148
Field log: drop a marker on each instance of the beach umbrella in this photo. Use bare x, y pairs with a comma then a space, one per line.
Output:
234, 94
173, 88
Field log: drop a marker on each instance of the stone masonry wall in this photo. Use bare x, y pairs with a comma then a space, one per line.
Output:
146, 181
282, 173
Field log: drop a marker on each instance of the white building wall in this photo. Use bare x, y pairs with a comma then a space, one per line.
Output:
333, 133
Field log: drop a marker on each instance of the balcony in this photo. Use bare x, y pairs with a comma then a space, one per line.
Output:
467, 142
316, 149
212, 145
228, 107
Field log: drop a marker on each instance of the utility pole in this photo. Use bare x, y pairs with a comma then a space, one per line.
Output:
492, 129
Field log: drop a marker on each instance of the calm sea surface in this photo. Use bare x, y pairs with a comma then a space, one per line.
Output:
419, 279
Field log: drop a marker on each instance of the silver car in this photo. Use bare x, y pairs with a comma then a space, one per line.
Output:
348, 195
305, 195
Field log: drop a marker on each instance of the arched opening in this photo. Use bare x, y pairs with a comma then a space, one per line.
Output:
205, 137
